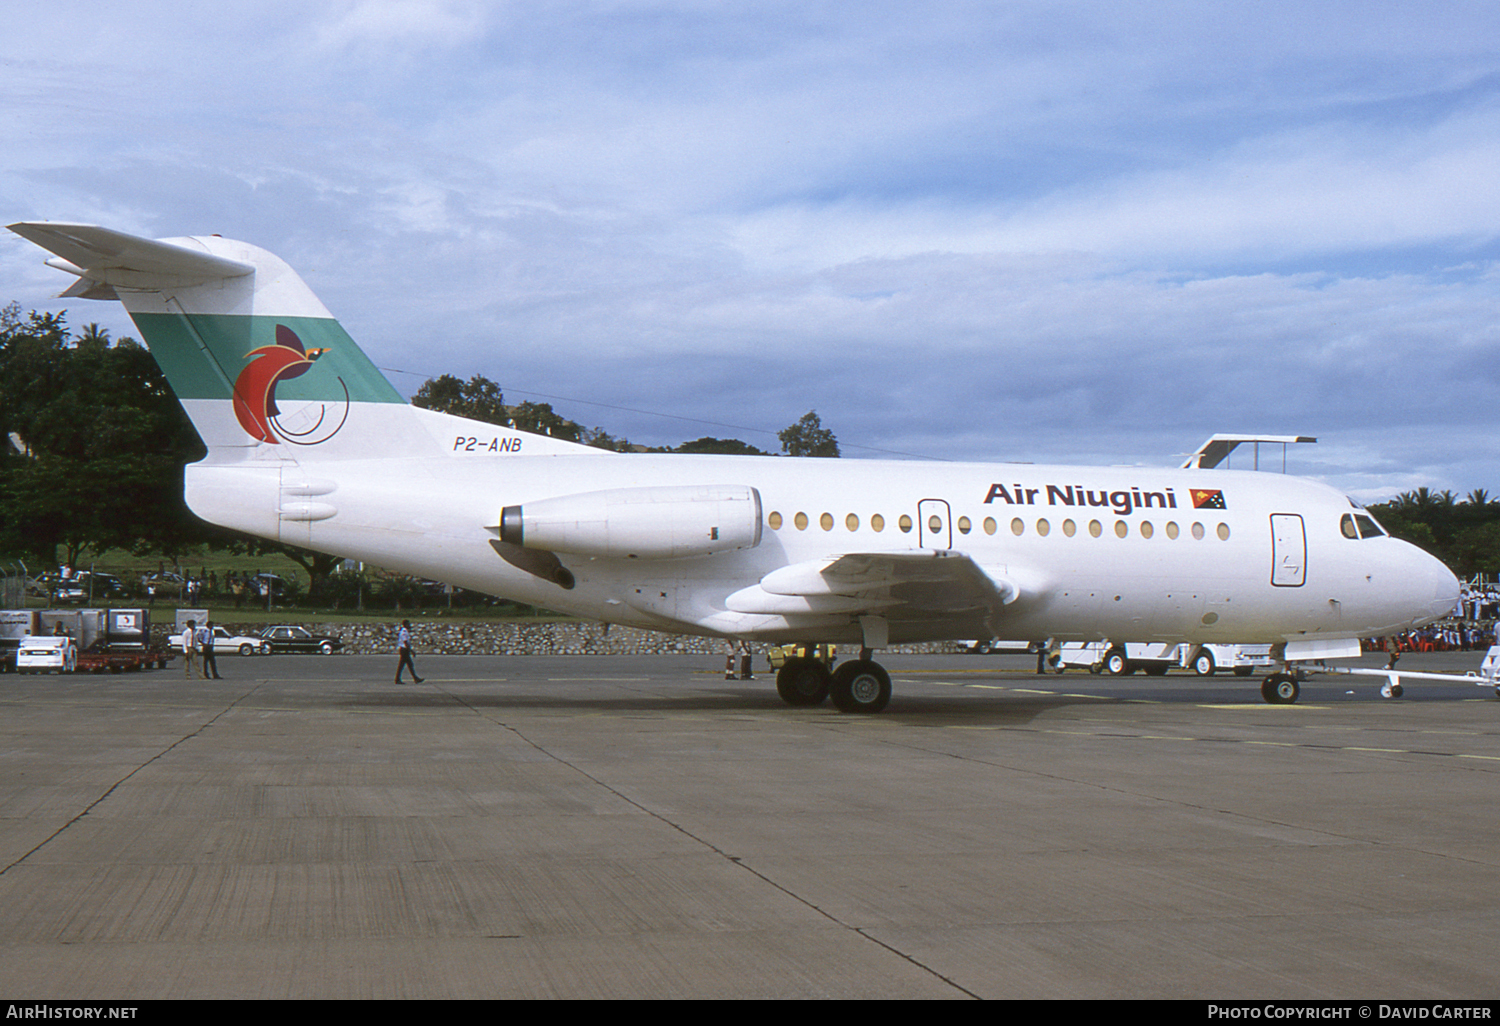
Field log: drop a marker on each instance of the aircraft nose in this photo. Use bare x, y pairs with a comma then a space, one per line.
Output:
1445, 589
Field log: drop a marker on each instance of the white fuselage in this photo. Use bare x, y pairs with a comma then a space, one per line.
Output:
1087, 553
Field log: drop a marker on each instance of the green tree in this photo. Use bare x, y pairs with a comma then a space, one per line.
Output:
808, 437
95, 444
479, 398
720, 446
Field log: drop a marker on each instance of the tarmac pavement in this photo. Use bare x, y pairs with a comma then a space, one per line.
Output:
641, 828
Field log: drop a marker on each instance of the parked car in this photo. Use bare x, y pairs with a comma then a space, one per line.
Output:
225, 641
103, 585
165, 583
300, 639
46, 654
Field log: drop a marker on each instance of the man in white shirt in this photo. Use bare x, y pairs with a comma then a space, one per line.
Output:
403, 646
189, 646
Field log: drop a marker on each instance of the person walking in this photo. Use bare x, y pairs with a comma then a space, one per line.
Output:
189, 646
206, 650
403, 646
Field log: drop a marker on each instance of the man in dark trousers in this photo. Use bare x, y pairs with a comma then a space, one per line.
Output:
206, 650
403, 646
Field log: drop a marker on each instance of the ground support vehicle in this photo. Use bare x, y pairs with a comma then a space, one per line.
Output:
45, 654
102, 640
1156, 658
988, 646
1117, 659
1241, 660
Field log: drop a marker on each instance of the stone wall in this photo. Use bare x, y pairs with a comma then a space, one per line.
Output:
518, 637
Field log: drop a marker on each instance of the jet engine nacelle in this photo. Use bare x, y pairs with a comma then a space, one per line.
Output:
667, 522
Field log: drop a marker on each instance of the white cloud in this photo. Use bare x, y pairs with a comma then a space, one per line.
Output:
1026, 230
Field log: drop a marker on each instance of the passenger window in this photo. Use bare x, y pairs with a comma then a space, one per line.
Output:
801, 521
1069, 528
852, 522
904, 523
989, 525
1018, 527
964, 525
877, 523
1121, 528
1146, 529
826, 521
1172, 529
1043, 527
775, 521
934, 524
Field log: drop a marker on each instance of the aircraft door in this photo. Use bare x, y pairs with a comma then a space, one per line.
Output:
1288, 550
934, 524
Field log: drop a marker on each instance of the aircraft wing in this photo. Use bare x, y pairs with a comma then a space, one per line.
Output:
933, 587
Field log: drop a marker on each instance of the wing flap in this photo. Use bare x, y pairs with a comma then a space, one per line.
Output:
920, 585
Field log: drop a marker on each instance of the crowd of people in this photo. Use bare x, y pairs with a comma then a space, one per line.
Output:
1473, 625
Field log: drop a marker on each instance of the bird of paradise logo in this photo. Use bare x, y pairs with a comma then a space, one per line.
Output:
255, 392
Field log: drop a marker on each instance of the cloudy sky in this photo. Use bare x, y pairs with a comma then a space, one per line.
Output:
1035, 231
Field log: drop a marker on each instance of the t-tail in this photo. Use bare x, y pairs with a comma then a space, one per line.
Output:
273, 384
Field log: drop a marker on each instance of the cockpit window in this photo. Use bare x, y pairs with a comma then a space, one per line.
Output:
1359, 525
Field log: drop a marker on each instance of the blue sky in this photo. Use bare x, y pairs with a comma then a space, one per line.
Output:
1020, 231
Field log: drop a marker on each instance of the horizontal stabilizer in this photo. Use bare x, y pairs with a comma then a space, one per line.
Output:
110, 258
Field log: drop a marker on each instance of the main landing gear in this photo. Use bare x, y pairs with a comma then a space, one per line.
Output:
858, 686
1280, 688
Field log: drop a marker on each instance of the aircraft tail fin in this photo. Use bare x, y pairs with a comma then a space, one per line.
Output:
262, 368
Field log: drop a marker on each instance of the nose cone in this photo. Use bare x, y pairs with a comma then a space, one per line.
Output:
1426, 584
1445, 589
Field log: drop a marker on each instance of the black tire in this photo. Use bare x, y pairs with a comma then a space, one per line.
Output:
861, 686
1203, 664
803, 682
326, 648
1280, 689
247, 648
1117, 664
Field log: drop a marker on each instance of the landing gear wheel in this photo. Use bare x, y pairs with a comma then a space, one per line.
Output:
1203, 665
1280, 689
1389, 690
1116, 663
861, 686
803, 682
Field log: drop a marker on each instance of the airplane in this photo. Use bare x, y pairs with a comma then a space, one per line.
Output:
310, 445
